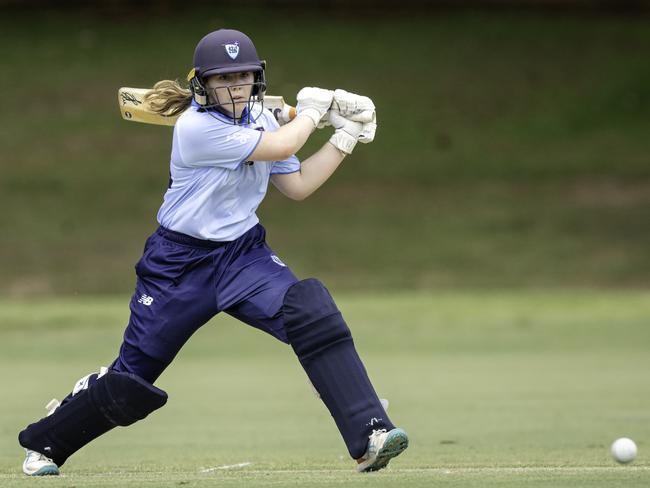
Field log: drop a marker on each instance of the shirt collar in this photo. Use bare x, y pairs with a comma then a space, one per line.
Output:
221, 115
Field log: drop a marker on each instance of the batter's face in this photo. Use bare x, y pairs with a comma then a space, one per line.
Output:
231, 87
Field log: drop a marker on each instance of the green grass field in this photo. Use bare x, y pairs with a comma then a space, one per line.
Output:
500, 388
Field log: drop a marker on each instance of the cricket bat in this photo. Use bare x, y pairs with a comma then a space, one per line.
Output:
134, 108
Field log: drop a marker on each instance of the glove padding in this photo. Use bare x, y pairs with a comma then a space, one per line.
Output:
357, 108
314, 103
368, 132
346, 134
353, 107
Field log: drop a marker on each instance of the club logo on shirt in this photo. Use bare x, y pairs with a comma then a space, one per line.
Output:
232, 50
240, 136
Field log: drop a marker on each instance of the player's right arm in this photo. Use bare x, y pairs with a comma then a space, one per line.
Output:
284, 142
313, 104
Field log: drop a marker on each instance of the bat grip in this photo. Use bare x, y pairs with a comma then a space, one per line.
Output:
287, 114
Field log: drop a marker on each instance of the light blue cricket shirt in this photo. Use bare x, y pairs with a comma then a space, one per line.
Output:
215, 190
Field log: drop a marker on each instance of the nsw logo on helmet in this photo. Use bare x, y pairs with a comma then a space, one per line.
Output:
232, 49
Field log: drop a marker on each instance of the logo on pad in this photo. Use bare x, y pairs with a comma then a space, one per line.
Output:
232, 50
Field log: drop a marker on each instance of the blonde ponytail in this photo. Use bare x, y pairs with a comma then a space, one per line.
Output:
168, 98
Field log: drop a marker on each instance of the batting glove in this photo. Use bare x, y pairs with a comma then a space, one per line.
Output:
353, 107
314, 103
346, 134
368, 132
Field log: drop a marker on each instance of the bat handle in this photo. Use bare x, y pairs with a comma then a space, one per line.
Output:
284, 114
287, 114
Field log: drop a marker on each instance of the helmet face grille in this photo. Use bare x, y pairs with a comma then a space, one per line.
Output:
228, 107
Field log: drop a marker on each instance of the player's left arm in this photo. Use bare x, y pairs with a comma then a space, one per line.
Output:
314, 171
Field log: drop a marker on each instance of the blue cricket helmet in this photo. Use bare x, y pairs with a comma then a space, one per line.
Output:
225, 51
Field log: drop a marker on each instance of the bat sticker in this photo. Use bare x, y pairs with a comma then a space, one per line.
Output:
129, 97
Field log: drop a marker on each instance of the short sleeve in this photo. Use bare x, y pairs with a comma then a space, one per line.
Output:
206, 141
290, 165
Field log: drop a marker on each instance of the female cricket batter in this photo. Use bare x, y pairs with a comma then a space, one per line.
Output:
209, 255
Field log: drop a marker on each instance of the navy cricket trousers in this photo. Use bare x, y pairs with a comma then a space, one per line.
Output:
182, 282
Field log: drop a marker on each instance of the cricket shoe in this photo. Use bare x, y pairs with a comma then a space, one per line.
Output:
382, 447
36, 464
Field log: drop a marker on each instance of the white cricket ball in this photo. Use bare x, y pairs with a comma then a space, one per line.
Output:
624, 450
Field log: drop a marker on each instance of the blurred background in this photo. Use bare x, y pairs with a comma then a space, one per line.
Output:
513, 147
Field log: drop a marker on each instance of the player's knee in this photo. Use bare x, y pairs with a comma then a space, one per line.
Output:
311, 319
134, 360
126, 398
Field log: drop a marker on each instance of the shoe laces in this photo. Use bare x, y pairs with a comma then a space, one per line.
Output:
34, 456
374, 442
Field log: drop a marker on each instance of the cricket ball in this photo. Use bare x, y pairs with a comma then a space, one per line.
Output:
624, 450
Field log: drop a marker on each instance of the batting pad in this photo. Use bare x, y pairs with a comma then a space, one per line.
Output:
114, 399
322, 341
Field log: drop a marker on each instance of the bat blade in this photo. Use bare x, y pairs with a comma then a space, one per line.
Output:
134, 108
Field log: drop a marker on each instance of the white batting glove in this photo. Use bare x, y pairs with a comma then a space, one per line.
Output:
367, 132
353, 107
346, 134
314, 103
357, 108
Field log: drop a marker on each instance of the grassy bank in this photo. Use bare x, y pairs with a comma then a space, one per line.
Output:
512, 149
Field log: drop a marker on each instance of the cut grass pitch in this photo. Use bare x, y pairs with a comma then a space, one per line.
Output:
495, 389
